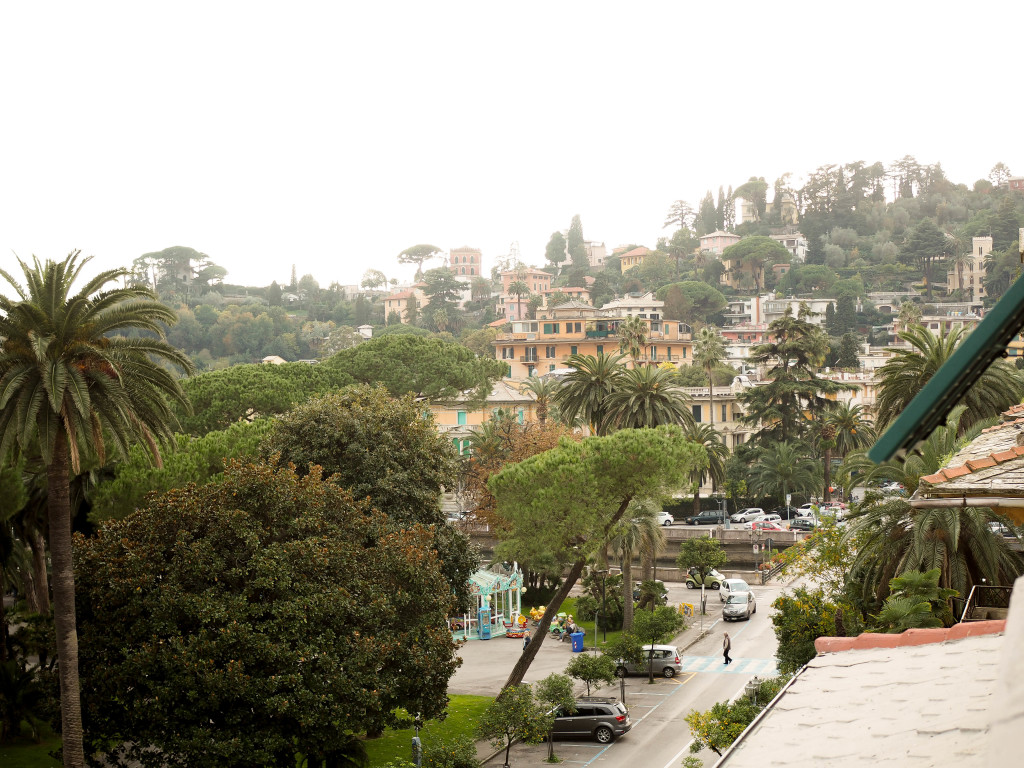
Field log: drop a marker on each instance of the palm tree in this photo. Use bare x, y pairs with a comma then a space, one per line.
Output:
910, 315
638, 524
632, 334
709, 353
909, 370
783, 468
646, 397
519, 288
584, 391
543, 392
705, 435
69, 379
854, 429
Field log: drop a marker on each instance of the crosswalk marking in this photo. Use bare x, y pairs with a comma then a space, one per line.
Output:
748, 666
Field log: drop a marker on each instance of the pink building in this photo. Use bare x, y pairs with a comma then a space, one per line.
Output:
716, 242
465, 261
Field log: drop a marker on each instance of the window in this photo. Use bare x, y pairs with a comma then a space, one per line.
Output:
578, 328
696, 413
668, 353
531, 354
684, 353
520, 415
572, 350
600, 349
654, 353
725, 410
549, 351
550, 328
461, 418
551, 367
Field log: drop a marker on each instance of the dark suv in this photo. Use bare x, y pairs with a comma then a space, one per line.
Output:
604, 719
705, 517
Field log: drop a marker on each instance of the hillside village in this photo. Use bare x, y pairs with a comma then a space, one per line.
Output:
320, 500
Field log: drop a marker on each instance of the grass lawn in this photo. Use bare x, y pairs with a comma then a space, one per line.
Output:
463, 713
27, 754
569, 606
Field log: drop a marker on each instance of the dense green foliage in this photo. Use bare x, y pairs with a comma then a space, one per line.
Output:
425, 367
384, 450
257, 617
245, 392
188, 460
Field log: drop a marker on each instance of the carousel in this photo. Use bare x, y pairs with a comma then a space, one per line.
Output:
497, 608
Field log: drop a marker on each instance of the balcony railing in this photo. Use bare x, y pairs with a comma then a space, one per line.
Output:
599, 334
527, 359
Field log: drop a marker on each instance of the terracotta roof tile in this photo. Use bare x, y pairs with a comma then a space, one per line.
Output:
1006, 455
938, 477
908, 638
951, 472
976, 464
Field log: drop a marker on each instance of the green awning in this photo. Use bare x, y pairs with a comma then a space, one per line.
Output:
944, 390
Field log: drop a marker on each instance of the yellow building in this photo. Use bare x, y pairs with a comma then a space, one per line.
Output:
458, 418
544, 345
633, 258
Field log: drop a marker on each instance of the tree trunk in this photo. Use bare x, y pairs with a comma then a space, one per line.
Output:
627, 592
711, 397
530, 652
59, 508
828, 474
42, 584
696, 498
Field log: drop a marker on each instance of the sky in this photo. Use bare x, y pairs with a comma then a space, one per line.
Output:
334, 135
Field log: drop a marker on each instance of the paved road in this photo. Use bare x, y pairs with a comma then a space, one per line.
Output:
660, 737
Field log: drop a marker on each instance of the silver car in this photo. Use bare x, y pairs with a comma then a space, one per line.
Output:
603, 719
731, 586
665, 659
739, 605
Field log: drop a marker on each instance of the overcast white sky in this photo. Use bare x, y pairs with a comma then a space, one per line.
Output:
334, 135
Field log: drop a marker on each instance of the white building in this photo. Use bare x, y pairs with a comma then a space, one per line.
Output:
638, 304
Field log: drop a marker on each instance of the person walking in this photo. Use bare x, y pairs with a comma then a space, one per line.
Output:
726, 647
526, 639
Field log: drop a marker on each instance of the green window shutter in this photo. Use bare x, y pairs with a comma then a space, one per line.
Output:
521, 415
572, 350
462, 418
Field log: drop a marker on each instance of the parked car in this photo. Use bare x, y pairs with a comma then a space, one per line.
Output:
786, 513
999, 529
834, 509
601, 718
731, 587
712, 581
746, 515
707, 516
664, 518
803, 524
767, 525
666, 659
739, 605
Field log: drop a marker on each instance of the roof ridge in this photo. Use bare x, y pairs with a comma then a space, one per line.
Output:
910, 637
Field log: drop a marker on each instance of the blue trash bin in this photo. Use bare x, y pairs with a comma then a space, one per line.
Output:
577, 641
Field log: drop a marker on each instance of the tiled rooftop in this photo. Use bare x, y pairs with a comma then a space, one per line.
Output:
910, 705
932, 697
996, 447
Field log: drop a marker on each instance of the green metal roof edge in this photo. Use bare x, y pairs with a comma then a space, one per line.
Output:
968, 362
